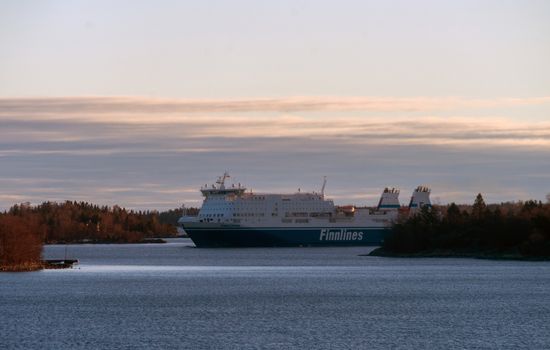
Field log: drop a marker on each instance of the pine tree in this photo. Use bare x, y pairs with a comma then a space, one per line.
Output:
479, 209
453, 213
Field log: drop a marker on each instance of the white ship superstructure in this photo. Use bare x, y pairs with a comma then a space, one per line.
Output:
232, 216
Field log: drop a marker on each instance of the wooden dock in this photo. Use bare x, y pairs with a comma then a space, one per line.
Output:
59, 264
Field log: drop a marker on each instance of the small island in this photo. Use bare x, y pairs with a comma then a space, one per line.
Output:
518, 230
24, 229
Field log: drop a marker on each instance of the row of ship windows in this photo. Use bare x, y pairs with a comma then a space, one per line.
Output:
286, 209
223, 199
286, 199
301, 199
286, 202
248, 214
287, 214
212, 215
312, 214
263, 207
286, 221
225, 204
261, 198
298, 221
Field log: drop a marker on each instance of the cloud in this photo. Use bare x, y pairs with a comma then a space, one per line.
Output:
217, 134
142, 105
130, 124
107, 151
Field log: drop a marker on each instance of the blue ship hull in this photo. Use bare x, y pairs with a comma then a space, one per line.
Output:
209, 237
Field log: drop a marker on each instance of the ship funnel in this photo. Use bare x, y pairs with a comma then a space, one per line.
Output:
389, 199
419, 199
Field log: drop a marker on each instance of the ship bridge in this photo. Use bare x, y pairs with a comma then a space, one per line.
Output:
220, 189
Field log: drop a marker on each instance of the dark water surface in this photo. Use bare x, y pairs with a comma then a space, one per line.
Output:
174, 296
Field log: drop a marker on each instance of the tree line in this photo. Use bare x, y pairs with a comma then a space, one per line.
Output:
25, 228
519, 229
20, 243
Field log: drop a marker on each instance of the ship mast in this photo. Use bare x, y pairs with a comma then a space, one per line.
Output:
221, 181
323, 188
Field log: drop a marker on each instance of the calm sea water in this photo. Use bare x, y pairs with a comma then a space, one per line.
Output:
175, 296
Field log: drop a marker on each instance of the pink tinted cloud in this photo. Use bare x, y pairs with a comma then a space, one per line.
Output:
117, 105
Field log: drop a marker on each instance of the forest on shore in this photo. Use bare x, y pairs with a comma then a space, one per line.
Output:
517, 230
25, 228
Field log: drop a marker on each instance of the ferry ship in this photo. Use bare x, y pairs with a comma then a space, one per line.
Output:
231, 216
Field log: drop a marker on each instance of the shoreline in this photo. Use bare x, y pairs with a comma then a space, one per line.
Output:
381, 252
38, 266
26, 267
143, 241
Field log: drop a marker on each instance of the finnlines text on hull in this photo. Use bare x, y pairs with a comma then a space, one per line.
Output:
340, 235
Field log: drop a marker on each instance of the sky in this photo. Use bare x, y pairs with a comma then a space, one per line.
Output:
139, 103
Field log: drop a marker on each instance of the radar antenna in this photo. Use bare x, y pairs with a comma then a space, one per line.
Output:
221, 180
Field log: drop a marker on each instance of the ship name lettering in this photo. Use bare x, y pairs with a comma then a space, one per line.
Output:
340, 235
